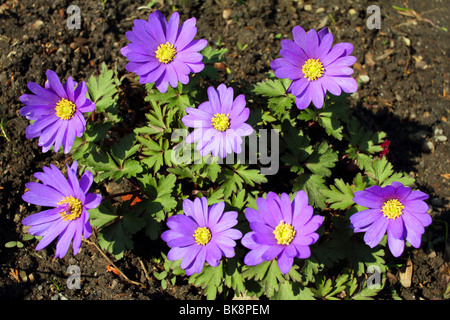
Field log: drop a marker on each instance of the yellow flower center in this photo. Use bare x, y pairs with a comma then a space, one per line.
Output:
392, 209
313, 69
220, 121
165, 52
75, 208
202, 236
284, 233
65, 109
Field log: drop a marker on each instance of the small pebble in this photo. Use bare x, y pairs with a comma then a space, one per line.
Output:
428, 146
364, 78
407, 41
438, 132
37, 24
441, 138
226, 14
114, 284
23, 276
320, 10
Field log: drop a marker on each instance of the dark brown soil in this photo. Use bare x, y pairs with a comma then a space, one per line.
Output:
406, 95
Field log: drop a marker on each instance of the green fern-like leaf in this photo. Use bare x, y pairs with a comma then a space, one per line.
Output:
279, 101
103, 89
233, 179
340, 194
381, 172
210, 279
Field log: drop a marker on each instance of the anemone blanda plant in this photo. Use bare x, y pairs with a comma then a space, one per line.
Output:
315, 66
281, 229
199, 240
219, 123
69, 218
57, 112
394, 209
163, 52
203, 233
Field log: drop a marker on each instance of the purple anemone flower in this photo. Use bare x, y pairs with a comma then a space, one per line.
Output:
281, 229
219, 123
69, 218
315, 67
395, 209
202, 234
57, 111
163, 52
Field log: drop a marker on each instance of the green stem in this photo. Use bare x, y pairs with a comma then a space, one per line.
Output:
3, 130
